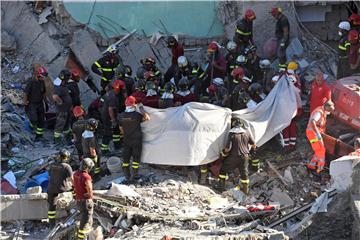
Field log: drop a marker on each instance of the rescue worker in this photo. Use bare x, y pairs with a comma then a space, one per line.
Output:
149, 64
356, 147
253, 64
320, 92
34, 101
73, 87
290, 133
129, 122
60, 180
152, 98
83, 188
63, 103
244, 30
316, 126
343, 48
354, 20
239, 95
106, 67
109, 112
237, 155
184, 95
140, 92
177, 50
167, 98
256, 92
218, 94
282, 33
78, 128
230, 61
124, 73
268, 73
354, 51
90, 145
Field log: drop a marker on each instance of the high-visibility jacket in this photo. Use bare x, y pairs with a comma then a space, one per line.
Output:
321, 123
343, 46
105, 68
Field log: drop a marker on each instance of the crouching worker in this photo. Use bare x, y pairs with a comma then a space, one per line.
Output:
130, 127
237, 155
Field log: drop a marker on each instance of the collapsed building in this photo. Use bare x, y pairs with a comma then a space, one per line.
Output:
284, 202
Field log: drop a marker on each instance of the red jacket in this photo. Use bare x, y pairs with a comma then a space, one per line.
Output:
139, 96
185, 99
151, 101
319, 95
177, 52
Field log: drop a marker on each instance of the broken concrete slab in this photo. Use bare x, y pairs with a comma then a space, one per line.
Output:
355, 208
341, 171
288, 176
295, 49
8, 42
45, 13
281, 197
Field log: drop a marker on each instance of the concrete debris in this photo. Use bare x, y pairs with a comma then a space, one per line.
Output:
8, 42
34, 190
288, 176
280, 196
321, 203
341, 171
122, 190
45, 13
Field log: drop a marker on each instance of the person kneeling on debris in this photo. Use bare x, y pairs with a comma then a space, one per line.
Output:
83, 187
237, 155
60, 179
130, 127
34, 99
315, 127
89, 144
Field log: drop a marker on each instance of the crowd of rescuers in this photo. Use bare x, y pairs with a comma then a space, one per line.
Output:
237, 79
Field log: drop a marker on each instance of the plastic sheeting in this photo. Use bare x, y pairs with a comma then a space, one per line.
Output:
194, 134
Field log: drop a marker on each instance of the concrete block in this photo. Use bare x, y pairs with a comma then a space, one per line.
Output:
281, 197
34, 190
355, 208
341, 170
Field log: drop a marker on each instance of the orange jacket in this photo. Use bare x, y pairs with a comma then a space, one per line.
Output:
321, 123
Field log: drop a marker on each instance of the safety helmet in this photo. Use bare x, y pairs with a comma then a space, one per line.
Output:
256, 88
250, 49
344, 25
292, 65
92, 124
250, 15
211, 89
169, 87
241, 60
354, 19
112, 49
75, 75
237, 73
130, 101
78, 111
182, 61
117, 85
218, 82
64, 155
275, 11
41, 72
353, 36
329, 104
128, 70
140, 85
65, 75
236, 122
183, 84
171, 41
231, 46
150, 85
86, 164
149, 75
213, 47
148, 61
265, 63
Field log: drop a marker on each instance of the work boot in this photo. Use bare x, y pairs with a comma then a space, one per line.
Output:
203, 178
68, 139
52, 223
135, 175
245, 188
117, 145
57, 140
126, 171
221, 185
38, 138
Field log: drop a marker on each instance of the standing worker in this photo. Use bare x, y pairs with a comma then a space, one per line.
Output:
320, 92
60, 180
63, 103
90, 145
282, 33
343, 48
244, 30
177, 50
237, 155
73, 88
34, 100
106, 67
78, 128
83, 188
316, 126
130, 127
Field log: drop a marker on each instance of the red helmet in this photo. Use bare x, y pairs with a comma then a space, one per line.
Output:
149, 75
118, 85
353, 36
250, 15
75, 75
41, 72
275, 11
130, 101
237, 72
213, 47
78, 111
212, 89
354, 19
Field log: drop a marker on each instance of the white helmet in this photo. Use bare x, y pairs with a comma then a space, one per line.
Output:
265, 63
111, 49
344, 25
231, 45
182, 61
218, 82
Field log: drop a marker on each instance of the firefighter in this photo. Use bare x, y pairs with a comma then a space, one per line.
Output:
152, 98
83, 188
218, 94
231, 61
354, 20
140, 92
320, 92
244, 30
316, 126
236, 155
253, 64
73, 87
167, 98
343, 48
109, 111
34, 100
256, 92
60, 180
90, 145
282, 33
239, 95
129, 122
124, 73
149, 64
177, 50
268, 73
184, 95
354, 51
63, 103
78, 128
106, 67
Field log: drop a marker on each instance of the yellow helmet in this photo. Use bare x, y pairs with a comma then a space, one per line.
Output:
292, 66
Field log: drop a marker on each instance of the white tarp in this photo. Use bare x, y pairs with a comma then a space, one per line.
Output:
194, 134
